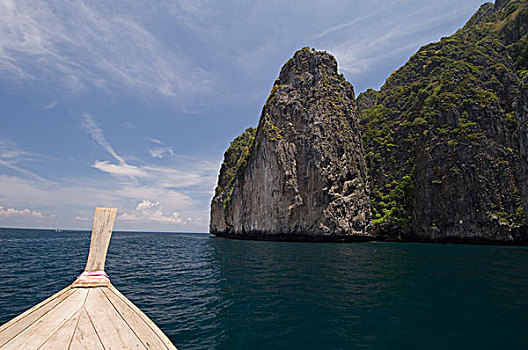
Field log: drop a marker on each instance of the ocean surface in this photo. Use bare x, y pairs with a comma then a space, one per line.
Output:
212, 293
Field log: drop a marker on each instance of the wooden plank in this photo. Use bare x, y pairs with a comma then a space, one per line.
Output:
112, 330
162, 336
85, 336
18, 324
142, 329
61, 339
101, 231
38, 332
92, 281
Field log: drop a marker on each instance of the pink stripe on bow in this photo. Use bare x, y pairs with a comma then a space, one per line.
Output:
86, 275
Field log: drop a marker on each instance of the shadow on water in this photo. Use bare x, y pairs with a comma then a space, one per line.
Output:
211, 293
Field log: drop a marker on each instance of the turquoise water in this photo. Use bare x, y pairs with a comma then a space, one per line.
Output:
211, 293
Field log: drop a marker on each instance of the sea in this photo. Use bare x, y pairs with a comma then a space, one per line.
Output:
212, 293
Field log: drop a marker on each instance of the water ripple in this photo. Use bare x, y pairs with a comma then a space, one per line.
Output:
211, 293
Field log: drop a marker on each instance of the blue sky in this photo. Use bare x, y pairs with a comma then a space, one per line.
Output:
132, 104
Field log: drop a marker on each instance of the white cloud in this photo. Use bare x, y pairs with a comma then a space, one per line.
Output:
185, 188
197, 173
79, 44
190, 51
148, 211
86, 192
161, 152
9, 212
146, 205
120, 169
78, 197
157, 48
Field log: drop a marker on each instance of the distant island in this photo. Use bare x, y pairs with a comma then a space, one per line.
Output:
438, 154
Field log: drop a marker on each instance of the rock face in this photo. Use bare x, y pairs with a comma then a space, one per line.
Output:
445, 137
522, 120
301, 174
445, 143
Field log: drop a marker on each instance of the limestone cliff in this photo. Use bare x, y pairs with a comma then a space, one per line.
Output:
301, 175
445, 137
445, 143
522, 119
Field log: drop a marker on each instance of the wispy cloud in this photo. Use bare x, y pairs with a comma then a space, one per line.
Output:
202, 51
10, 151
183, 186
362, 34
11, 155
156, 141
50, 105
132, 183
19, 169
79, 44
212, 46
373, 39
198, 174
201, 176
97, 134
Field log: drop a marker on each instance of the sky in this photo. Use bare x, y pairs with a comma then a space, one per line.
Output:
131, 104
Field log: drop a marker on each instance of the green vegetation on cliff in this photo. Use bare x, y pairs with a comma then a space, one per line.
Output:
448, 117
235, 159
444, 142
397, 205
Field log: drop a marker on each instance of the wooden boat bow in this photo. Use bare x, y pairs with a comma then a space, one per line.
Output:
94, 274
90, 313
